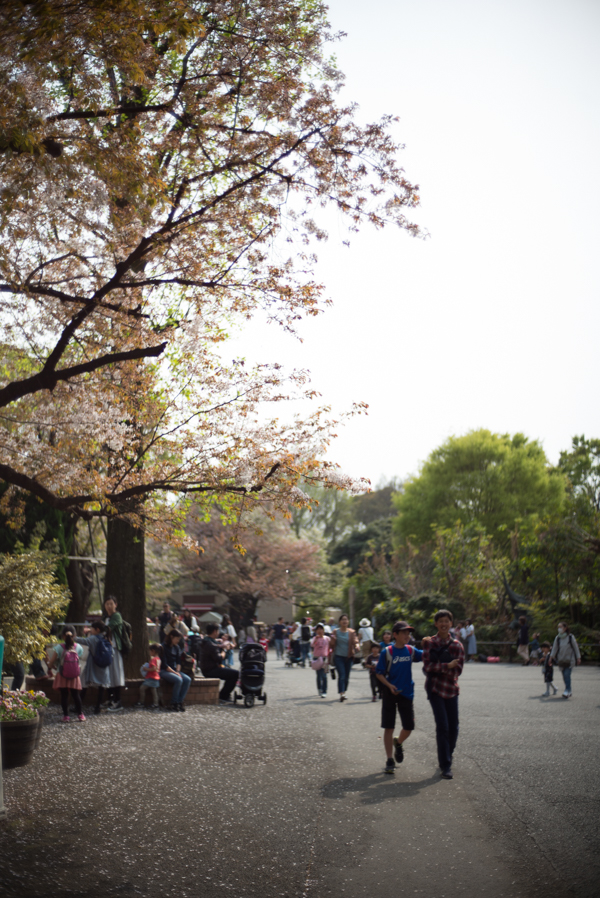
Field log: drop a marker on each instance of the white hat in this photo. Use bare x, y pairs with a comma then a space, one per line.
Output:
365, 622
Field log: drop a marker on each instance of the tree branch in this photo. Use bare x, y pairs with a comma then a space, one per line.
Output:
48, 379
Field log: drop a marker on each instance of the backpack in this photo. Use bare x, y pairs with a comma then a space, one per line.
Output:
69, 667
389, 653
564, 664
305, 632
126, 636
103, 653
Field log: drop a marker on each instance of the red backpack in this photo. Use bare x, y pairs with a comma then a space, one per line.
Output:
69, 667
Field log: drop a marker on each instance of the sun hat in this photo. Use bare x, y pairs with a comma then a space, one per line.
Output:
365, 622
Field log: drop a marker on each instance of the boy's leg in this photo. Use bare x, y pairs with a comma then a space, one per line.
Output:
388, 722
442, 731
452, 715
407, 717
388, 743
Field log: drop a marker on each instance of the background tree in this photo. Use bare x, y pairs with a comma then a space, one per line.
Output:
496, 481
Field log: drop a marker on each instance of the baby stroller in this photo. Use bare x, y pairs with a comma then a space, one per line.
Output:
294, 653
252, 675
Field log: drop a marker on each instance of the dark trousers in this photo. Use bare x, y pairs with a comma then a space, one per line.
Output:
375, 683
228, 675
445, 712
343, 666
18, 671
64, 700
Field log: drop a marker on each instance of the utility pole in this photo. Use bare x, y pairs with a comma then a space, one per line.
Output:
351, 597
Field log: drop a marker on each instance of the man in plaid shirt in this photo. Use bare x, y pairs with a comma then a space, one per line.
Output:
443, 660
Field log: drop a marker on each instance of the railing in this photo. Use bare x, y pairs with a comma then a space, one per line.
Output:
590, 651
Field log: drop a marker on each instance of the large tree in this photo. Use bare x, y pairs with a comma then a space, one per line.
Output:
497, 481
161, 163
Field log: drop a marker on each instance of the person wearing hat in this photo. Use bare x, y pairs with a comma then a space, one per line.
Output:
394, 671
365, 635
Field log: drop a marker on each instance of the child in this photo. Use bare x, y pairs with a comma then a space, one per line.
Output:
394, 671
547, 669
151, 677
371, 664
320, 652
265, 644
386, 640
67, 654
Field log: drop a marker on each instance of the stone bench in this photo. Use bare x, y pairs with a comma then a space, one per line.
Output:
201, 692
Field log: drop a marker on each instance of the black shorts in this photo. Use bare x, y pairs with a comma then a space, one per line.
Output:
388, 710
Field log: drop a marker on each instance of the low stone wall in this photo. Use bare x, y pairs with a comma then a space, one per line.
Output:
201, 692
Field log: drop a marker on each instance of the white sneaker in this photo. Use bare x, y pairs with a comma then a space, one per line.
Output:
566, 694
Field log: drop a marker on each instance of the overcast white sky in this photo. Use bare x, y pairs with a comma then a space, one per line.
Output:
492, 321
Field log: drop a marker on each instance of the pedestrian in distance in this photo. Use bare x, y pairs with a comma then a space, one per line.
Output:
344, 643
119, 637
523, 640
443, 660
66, 656
305, 637
547, 669
470, 640
279, 632
386, 639
365, 634
170, 670
371, 664
97, 668
320, 655
394, 672
565, 654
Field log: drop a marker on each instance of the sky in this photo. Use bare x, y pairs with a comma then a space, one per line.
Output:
493, 320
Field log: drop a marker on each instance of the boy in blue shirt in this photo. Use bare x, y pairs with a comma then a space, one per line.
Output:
394, 670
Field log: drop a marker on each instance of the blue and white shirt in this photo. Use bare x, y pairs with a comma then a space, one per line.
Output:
400, 674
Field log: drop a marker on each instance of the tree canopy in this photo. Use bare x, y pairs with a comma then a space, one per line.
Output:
163, 167
494, 480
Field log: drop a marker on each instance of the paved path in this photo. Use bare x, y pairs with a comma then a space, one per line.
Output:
290, 801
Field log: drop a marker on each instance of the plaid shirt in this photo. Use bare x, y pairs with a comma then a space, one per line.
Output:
444, 682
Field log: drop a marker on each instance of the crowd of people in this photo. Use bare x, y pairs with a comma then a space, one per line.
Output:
330, 648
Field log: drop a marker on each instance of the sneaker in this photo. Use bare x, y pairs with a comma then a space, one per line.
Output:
181, 707
173, 707
390, 766
81, 717
115, 706
66, 719
323, 695
398, 751
566, 694
447, 773
139, 705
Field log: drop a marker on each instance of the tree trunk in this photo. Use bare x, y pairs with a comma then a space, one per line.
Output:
80, 582
125, 580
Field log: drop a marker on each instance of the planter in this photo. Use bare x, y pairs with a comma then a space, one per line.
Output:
19, 739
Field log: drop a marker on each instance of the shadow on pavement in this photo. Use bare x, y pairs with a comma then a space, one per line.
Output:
376, 787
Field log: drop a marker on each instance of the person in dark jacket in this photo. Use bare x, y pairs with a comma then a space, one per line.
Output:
212, 657
523, 640
170, 670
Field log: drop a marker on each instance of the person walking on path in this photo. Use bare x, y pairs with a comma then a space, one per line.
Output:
67, 656
344, 643
100, 650
279, 631
151, 677
305, 637
170, 670
366, 637
320, 653
547, 669
523, 640
443, 660
371, 664
394, 671
566, 654
470, 640
119, 638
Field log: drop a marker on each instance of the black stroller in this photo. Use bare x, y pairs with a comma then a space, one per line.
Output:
252, 674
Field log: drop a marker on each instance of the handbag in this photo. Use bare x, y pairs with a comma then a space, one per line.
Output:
317, 663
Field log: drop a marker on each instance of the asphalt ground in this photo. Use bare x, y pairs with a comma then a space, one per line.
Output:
290, 800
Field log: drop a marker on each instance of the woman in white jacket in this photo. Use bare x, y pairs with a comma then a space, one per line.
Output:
566, 655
